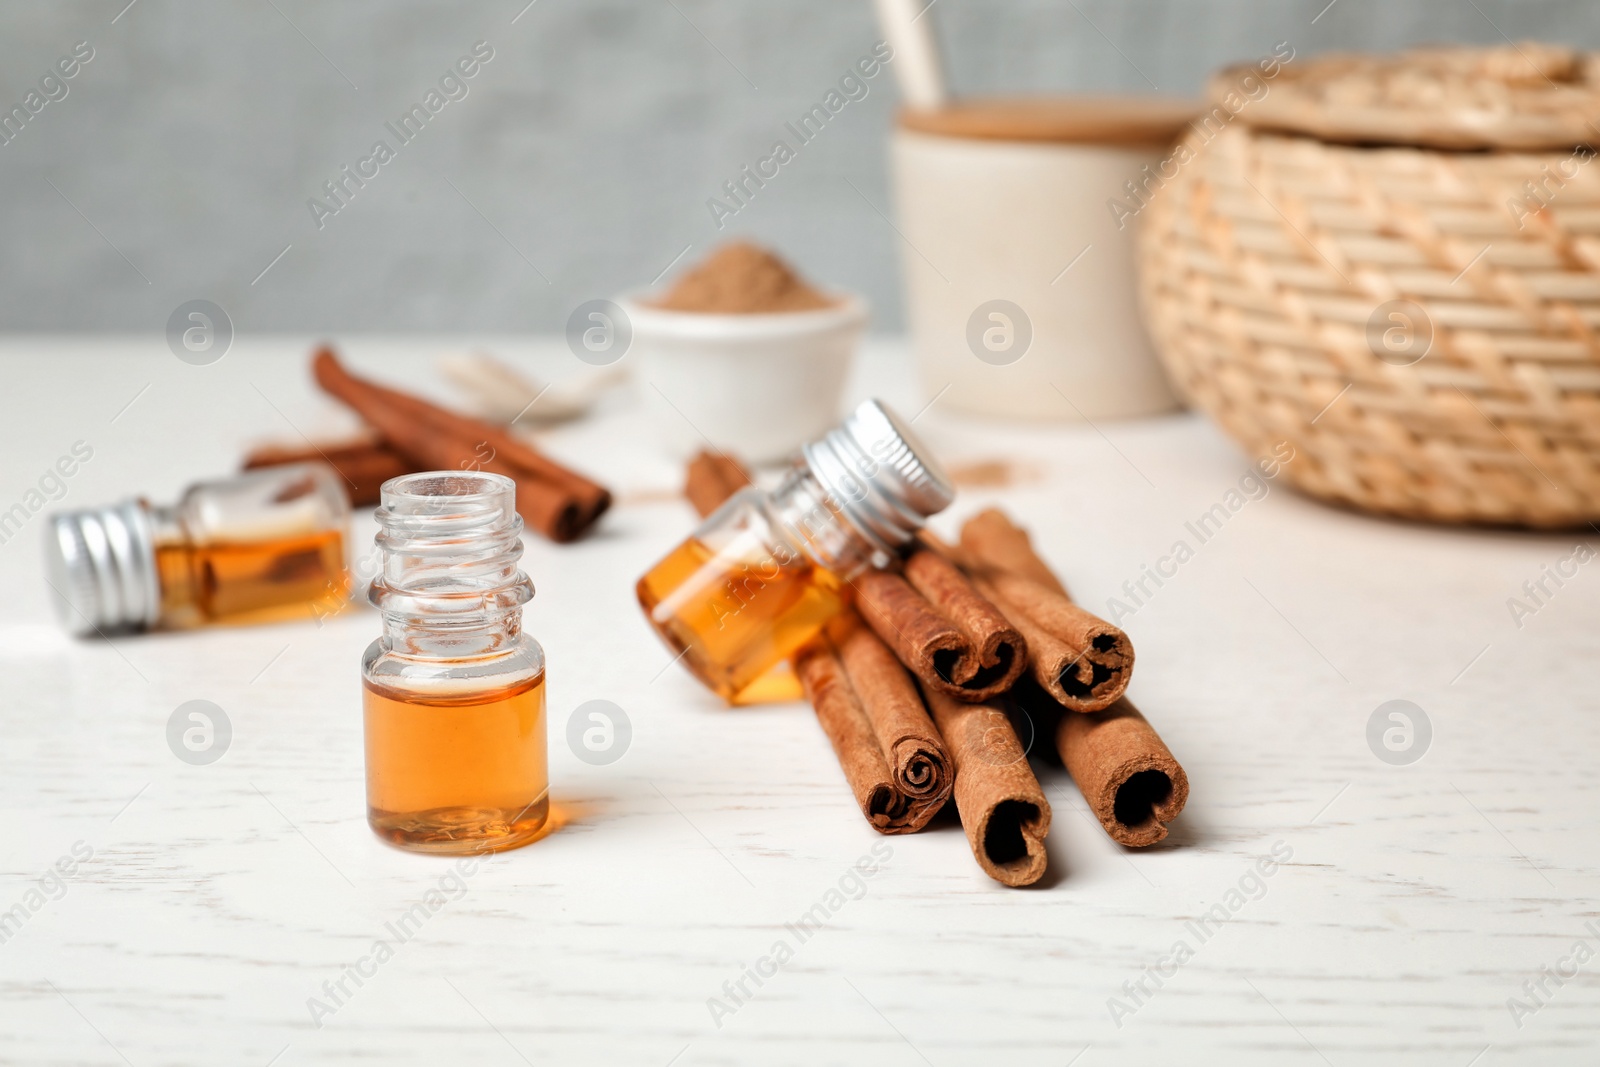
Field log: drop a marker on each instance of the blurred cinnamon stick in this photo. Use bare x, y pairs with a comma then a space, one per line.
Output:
712, 478
557, 502
1081, 660
364, 463
504, 444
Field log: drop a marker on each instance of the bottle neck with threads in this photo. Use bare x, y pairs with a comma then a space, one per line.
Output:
858, 495
449, 587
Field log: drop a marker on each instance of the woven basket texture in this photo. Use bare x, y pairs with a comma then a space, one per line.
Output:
1419, 323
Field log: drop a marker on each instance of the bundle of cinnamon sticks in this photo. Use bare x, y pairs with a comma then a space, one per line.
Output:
409, 434
916, 686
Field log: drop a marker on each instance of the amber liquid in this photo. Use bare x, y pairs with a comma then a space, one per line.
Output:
734, 614
288, 577
457, 771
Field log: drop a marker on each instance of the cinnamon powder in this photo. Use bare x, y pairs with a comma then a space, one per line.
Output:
742, 279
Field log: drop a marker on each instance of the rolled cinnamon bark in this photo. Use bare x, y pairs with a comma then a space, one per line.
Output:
364, 464
888, 747
994, 541
919, 635
910, 743
866, 680
929, 614
557, 502
1002, 807
1133, 784
943, 629
1083, 661
898, 768
712, 478
593, 497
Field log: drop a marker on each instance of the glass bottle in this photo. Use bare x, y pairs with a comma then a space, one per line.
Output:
263, 546
453, 692
764, 572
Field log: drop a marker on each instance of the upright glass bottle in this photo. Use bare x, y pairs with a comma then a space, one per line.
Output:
453, 690
763, 573
262, 546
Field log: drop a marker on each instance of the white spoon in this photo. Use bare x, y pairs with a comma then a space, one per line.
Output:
908, 27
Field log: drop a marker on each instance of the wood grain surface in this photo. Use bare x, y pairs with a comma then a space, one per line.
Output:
1330, 907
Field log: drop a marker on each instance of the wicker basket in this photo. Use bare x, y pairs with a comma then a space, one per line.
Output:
1417, 325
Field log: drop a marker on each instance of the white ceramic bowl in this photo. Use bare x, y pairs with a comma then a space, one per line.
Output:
758, 386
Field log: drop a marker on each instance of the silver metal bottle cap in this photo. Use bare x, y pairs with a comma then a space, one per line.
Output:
101, 564
883, 480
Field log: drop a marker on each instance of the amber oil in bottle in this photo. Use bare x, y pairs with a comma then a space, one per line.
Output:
264, 546
453, 692
763, 573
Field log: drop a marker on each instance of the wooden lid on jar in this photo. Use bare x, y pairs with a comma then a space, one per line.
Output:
1524, 96
1108, 120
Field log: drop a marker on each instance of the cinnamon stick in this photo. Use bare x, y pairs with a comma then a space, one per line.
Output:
906, 735
887, 745
1133, 784
559, 503
1003, 810
506, 445
951, 636
897, 765
933, 618
712, 478
363, 463
1083, 661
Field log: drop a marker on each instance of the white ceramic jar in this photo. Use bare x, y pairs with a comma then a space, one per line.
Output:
1020, 271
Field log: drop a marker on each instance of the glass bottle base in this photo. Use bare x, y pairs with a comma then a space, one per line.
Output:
460, 831
729, 640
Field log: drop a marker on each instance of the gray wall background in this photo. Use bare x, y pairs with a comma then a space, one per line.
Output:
180, 162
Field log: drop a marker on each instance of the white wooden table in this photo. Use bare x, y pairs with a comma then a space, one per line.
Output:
216, 901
